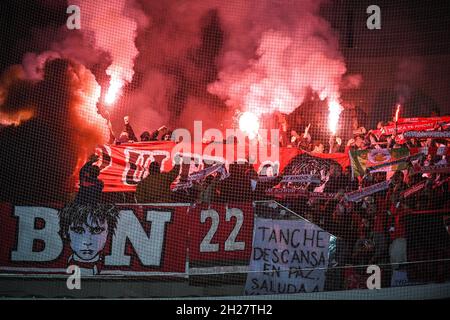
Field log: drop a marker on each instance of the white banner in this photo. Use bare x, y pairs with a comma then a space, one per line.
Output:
288, 256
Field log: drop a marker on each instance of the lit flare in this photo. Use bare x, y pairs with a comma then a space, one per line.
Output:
334, 111
249, 124
397, 112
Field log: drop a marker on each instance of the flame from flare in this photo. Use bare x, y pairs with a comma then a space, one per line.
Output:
334, 109
249, 124
115, 85
113, 91
397, 112
101, 21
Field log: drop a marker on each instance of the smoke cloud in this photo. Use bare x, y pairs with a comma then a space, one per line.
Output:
260, 56
295, 50
112, 27
40, 156
170, 62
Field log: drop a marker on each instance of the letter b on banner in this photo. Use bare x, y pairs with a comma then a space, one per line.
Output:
28, 234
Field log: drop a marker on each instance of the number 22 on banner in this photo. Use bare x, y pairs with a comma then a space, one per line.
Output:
230, 244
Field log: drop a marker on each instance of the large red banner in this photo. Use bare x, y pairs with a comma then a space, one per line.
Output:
413, 124
221, 234
124, 166
146, 240
442, 119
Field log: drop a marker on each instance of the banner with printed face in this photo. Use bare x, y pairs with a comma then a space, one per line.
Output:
124, 166
134, 240
288, 256
220, 235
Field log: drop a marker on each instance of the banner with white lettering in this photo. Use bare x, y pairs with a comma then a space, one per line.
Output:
123, 166
288, 256
220, 237
132, 240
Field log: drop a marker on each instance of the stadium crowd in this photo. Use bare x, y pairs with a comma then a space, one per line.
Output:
399, 233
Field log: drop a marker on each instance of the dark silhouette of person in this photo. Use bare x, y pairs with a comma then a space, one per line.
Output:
91, 187
155, 188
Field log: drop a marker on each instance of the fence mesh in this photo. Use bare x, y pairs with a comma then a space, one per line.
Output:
282, 149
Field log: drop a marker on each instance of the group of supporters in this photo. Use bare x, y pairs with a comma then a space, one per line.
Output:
401, 228
127, 135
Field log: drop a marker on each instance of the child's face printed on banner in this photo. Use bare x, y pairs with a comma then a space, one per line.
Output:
89, 239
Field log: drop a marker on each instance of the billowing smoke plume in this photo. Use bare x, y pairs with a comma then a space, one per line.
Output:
295, 50
409, 70
411, 73
15, 99
112, 26
172, 62
51, 99
176, 62
259, 56
39, 157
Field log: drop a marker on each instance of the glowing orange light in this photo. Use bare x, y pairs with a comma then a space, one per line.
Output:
397, 112
115, 84
334, 111
17, 118
249, 123
113, 91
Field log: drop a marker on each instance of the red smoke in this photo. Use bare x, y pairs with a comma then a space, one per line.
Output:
296, 50
15, 107
271, 53
173, 62
40, 157
113, 28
